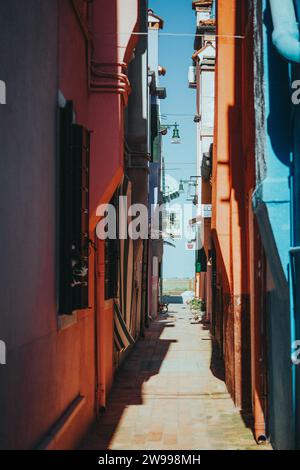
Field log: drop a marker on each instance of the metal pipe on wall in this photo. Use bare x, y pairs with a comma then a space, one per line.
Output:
256, 313
286, 30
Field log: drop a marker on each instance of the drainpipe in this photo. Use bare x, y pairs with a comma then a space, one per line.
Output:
257, 347
286, 39
286, 31
297, 7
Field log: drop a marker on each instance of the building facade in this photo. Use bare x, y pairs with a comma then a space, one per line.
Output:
76, 88
254, 228
155, 95
275, 203
202, 78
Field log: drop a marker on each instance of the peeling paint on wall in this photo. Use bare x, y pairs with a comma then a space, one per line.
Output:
259, 98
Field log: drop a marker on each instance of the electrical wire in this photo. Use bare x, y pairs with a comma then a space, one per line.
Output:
193, 35
174, 114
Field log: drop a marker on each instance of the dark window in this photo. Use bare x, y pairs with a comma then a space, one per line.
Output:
111, 260
206, 166
73, 213
201, 261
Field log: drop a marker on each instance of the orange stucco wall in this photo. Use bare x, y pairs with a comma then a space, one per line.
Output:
231, 181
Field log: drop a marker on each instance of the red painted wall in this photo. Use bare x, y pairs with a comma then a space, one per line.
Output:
51, 361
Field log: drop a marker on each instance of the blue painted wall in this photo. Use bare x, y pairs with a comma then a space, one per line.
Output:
272, 207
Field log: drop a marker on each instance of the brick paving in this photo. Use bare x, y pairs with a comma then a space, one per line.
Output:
170, 394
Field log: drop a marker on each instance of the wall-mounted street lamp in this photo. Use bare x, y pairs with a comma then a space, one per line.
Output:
195, 200
181, 186
192, 183
182, 183
175, 137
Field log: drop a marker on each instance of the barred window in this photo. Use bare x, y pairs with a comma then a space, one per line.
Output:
111, 260
74, 143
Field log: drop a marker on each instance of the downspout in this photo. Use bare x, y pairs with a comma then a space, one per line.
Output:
100, 326
287, 42
286, 31
297, 8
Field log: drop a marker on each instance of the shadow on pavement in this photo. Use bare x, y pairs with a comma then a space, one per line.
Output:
142, 363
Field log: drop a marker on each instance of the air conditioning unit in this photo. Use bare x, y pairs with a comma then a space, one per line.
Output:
192, 77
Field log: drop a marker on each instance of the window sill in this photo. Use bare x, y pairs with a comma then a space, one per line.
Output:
65, 321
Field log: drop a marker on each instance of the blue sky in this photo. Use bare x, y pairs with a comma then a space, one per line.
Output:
175, 56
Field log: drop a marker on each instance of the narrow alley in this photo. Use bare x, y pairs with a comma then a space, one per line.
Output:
170, 394
150, 208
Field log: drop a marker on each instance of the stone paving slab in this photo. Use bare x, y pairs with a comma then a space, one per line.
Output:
170, 395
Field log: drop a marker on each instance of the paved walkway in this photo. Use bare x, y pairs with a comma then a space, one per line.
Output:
170, 394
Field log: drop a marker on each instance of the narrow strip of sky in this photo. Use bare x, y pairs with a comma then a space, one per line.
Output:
179, 106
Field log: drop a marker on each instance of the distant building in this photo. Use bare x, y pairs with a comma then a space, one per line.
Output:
202, 78
255, 239
156, 93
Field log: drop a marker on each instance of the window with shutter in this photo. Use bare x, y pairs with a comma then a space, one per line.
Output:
74, 243
111, 260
